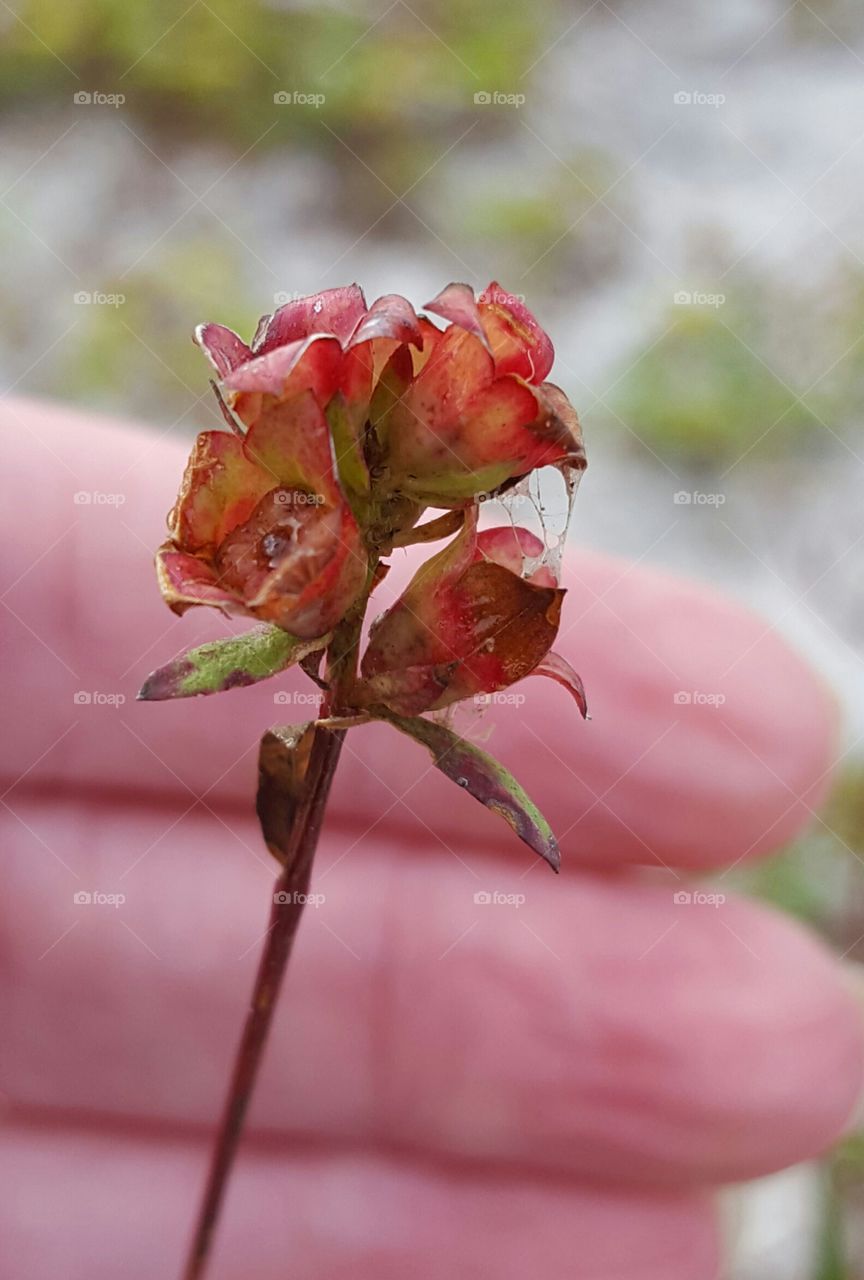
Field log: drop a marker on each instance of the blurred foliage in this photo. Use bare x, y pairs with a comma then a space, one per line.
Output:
397, 80
705, 387
802, 880
141, 354
547, 219
836, 334
830, 1258
843, 1194
825, 21
818, 878
399, 85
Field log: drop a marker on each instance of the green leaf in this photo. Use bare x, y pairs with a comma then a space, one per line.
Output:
228, 664
486, 780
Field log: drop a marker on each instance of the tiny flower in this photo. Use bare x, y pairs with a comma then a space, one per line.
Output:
475, 619
330, 343
473, 411
261, 526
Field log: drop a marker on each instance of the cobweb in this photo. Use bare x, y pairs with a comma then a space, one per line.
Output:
541, 502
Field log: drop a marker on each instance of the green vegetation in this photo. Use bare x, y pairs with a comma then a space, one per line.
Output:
704, 391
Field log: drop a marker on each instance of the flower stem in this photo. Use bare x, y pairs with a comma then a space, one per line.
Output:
289, 898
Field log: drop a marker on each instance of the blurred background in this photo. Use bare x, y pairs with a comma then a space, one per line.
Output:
676, 189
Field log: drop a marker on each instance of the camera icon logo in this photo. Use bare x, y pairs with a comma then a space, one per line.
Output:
682, 898
682, 298
281, 98
82, 898
82, 498
482, 99
281, 898
82, 298
82, 98
82, 698
682, 698
683, 98
282, 698
682, 498
483, 898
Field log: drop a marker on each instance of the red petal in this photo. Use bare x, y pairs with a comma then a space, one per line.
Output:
358, 375
562, 426
390, 316
222, 347
458, 431
291, 442
220, 489
186, 580
516, 340
511, 546
430, 336
558, 668
424, 427
335, 311
456, 303
497, 425
503, 324
465, 625
309, 599
309, 364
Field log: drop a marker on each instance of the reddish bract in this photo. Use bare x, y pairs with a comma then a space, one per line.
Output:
328, 342
347, 420
474, 620
475, 412
261, 526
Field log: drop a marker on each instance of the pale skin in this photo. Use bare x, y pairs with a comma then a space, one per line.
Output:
554, 1087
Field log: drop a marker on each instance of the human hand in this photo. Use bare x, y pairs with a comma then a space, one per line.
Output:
451, 1088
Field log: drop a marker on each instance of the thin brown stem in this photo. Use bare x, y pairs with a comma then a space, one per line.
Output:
288, 900
289, 897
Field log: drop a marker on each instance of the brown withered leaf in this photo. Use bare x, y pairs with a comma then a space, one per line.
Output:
486, 780
283, 759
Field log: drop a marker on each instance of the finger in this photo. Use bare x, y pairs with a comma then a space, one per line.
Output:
93, 1207
648, 780
598, 1028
